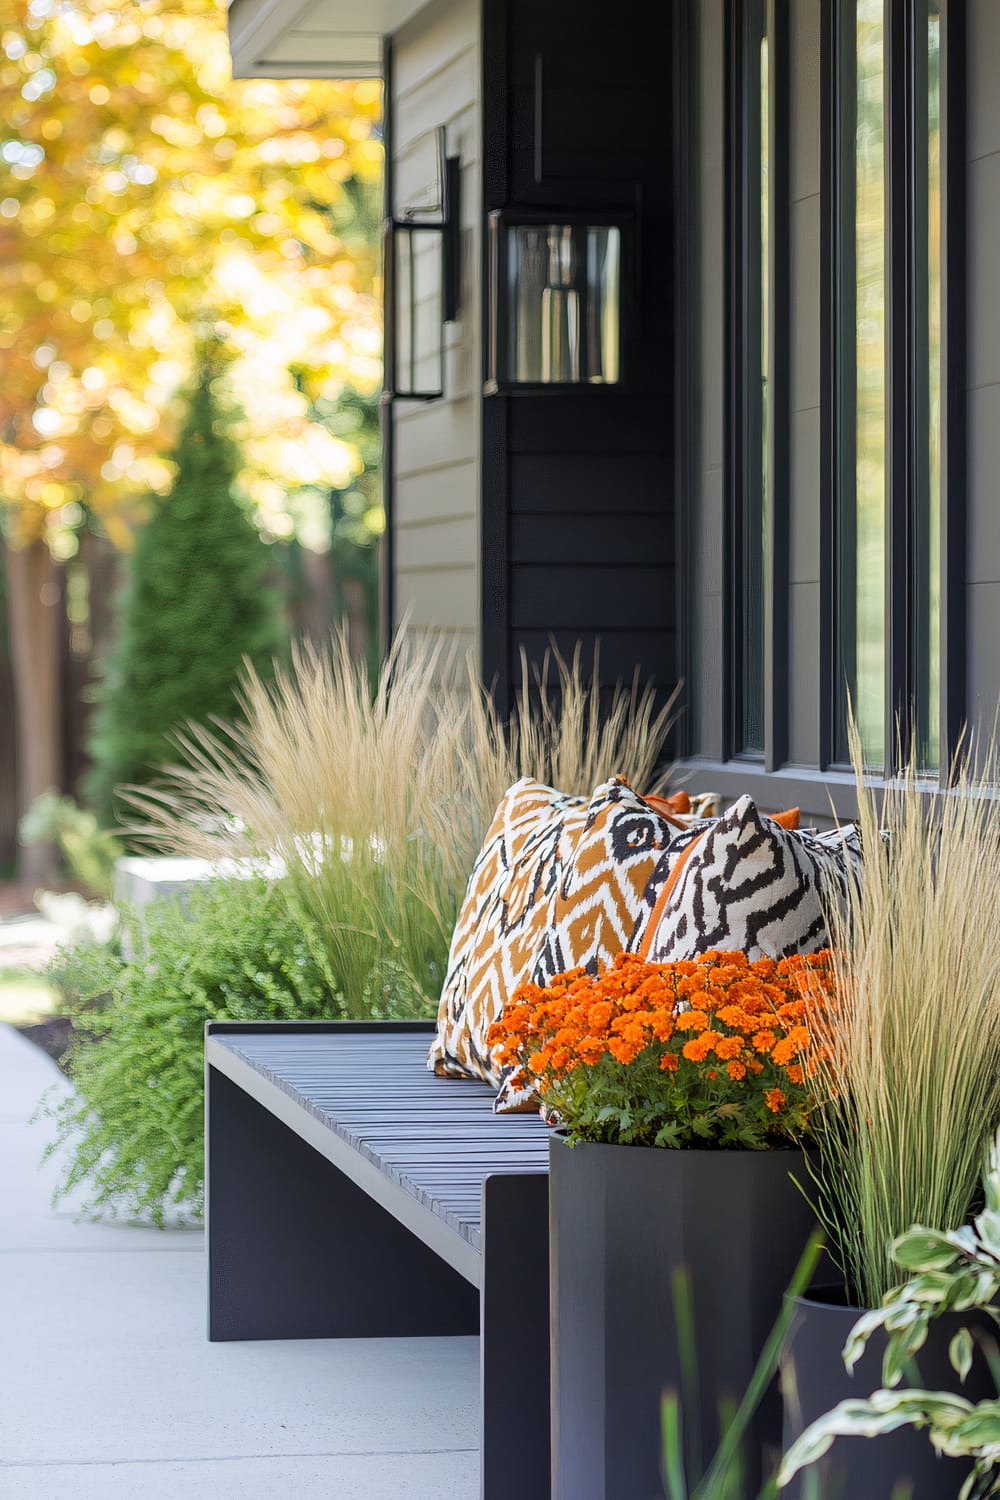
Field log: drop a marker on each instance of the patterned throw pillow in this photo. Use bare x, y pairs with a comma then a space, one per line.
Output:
507, 917
601, 906
605, 897
502, 922
747, 883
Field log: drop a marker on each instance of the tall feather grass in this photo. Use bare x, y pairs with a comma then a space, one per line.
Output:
374, 802
913, 1072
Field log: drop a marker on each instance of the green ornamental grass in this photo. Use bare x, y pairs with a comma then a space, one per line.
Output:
913, 1070
374, 804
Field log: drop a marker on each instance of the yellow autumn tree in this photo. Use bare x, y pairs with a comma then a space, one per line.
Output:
145, 198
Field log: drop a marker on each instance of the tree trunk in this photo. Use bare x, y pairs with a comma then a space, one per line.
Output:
103, 564
90, 645
316, 608
33, 597
356, 612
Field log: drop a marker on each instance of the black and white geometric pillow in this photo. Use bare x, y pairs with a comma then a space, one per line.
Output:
747, 884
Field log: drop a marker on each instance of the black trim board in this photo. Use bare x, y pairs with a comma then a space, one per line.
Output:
387, 544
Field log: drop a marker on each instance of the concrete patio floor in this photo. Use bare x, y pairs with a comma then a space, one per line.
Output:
109, 1387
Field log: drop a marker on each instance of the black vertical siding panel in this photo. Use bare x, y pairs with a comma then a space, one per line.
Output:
603, 456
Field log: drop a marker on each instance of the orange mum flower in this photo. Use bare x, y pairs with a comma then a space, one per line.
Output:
696, 1050
599, 1015
595, 1045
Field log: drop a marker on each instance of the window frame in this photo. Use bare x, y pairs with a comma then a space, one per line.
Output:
757, 443
905, 377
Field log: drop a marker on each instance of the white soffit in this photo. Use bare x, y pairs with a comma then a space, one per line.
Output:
313, 38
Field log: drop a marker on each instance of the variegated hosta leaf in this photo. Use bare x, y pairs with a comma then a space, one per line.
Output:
883, 1412
859, 1335
981, 1483
902, 1348
925, 1250
931, 1288
960, 1353
970, 1290
900, 1315
991, 1177
980, 1428
988, 1231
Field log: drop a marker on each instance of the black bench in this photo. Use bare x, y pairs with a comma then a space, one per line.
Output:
350, 1193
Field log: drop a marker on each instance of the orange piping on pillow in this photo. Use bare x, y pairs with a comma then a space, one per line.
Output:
789, 820
664, 896
668, 809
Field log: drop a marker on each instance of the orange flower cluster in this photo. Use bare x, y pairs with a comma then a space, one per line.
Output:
730, 1034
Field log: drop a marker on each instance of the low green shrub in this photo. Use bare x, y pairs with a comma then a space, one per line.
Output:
132, 1130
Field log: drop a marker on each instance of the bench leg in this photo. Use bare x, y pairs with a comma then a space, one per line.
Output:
514, 1347
297, 1250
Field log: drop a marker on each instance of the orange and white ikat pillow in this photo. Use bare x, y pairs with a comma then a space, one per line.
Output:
502, 921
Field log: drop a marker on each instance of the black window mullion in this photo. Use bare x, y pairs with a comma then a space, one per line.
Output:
920, 356
900, 434
746, 673
777, 436
830, 363
843, 417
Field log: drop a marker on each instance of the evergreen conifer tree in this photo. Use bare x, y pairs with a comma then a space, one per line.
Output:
196, 603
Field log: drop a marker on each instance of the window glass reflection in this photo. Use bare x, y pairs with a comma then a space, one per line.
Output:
928, 528
867, 668
564, 295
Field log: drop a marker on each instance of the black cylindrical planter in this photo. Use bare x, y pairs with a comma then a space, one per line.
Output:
814, 1380
622, 1219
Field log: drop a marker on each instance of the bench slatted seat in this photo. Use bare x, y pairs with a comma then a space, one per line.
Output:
350, 1193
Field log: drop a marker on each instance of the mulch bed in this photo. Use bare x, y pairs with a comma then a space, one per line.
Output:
52, 1035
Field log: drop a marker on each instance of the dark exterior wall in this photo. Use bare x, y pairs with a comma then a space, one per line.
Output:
578, 487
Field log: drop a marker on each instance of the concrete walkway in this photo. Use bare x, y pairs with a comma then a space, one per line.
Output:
109, 1388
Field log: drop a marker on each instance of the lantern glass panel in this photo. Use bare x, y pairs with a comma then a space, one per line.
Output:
419, 311
564, 301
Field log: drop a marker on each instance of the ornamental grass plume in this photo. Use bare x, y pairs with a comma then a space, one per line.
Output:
374, 800
712, 1051
913, 1072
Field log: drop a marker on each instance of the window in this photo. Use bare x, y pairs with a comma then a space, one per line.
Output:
888, 388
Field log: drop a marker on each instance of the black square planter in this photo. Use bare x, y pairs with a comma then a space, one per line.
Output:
622, 1219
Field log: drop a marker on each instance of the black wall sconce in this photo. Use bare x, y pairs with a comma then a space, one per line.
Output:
557, 310
422, 287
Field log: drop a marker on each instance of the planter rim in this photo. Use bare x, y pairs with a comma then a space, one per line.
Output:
559, 1134
829, 1295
